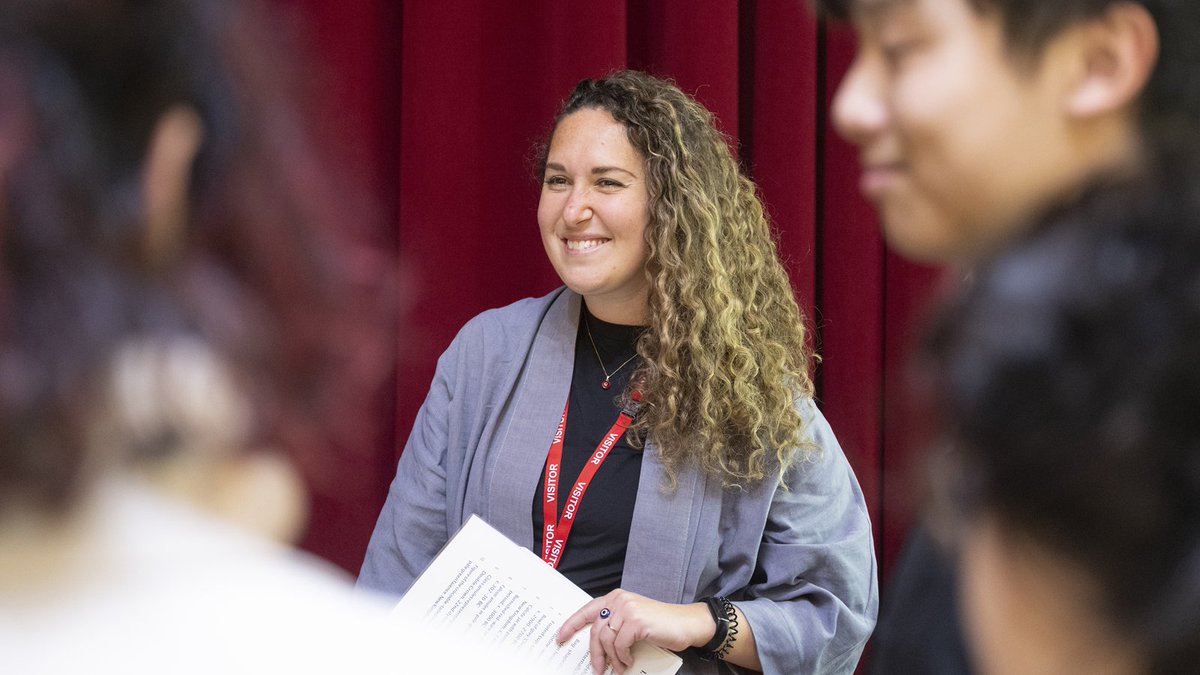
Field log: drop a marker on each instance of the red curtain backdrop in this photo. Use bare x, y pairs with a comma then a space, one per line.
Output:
440, 104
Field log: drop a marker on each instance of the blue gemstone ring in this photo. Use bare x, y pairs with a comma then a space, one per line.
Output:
604, 613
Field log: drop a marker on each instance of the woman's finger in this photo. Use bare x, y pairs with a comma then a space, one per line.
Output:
596, 648
608, 630
623, 644
582, 617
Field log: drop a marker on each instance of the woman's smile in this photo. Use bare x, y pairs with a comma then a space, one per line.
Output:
584, 245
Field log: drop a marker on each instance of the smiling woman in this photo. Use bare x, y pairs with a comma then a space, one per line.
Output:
717, 515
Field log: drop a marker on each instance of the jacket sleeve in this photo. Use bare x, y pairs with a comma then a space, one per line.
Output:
813, 599
413, 525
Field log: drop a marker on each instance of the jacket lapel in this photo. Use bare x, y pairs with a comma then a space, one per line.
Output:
536, 407
665, 524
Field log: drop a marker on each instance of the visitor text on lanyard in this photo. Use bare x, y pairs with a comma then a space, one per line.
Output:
556, 530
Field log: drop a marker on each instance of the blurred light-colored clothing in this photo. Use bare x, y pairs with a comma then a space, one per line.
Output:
141, 584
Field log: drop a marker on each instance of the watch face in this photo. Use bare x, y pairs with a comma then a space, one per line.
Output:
719, 614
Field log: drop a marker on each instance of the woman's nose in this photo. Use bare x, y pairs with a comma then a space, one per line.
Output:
579, 205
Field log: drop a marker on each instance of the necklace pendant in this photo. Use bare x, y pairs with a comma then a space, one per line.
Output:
605, 385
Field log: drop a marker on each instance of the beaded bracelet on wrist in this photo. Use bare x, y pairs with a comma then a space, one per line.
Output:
725, 616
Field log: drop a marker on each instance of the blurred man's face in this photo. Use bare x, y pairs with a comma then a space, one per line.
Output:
1030, 612
958, 140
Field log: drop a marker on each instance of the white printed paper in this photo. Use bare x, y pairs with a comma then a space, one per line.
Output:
501, 599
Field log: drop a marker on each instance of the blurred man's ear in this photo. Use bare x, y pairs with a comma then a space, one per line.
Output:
261, 491
1119, 50
166, 176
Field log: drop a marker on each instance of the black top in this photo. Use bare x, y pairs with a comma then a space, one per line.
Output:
594, 556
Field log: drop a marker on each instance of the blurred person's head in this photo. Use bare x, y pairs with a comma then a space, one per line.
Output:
1069, 377
171, 292
973, 115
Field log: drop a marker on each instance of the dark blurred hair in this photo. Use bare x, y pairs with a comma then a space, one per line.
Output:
260, 276
1170, 103
1070, 380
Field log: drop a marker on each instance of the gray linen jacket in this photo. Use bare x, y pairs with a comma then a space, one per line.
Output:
799, 563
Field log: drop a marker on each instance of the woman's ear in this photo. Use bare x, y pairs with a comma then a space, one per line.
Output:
166, 176
1120, 49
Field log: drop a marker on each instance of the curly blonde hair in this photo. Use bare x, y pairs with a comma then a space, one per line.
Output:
725, 356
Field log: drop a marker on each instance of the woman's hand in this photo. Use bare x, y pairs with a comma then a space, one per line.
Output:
631, 618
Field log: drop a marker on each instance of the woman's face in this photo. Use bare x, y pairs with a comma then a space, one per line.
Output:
593, 215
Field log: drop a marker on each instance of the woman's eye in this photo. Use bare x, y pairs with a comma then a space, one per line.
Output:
609, 184
554, 181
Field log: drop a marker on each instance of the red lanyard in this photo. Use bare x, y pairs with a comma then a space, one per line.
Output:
555, 531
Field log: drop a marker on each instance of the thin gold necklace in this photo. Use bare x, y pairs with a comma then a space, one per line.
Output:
607, 383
